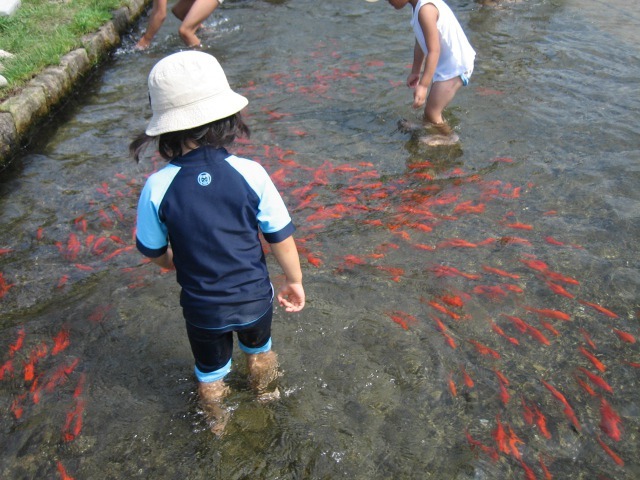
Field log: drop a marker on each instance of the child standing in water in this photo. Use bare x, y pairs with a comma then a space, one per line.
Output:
202, 214
442, 62
191, 12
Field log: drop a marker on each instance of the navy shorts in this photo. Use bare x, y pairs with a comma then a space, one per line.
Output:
212, 348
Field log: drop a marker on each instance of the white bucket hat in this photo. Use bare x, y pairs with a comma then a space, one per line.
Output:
189, 89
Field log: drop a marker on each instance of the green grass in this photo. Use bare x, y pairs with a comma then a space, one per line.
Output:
40, 32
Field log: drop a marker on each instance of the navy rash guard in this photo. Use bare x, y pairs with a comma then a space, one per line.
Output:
210, 206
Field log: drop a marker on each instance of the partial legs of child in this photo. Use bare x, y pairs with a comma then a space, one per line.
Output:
437, 130
440, 95
211, 396
193, 13
263, 370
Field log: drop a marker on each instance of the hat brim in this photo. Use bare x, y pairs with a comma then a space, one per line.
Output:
205, 111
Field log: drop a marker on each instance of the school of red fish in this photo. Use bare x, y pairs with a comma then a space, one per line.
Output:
476, 285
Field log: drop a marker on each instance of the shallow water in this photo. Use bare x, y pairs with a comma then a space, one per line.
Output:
537, 208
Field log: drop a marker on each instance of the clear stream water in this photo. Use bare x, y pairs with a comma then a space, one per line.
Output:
471, 309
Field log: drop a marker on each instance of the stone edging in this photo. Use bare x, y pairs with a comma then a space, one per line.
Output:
20, 113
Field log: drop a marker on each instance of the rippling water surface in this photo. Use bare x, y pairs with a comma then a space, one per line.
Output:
472, 310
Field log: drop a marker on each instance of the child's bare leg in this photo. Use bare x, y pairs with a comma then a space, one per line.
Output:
440, 95
263, 370
211, 395
193, 13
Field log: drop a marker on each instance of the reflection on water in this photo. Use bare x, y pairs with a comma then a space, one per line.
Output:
473, 311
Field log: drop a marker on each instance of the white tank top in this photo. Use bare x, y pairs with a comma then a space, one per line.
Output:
456, 54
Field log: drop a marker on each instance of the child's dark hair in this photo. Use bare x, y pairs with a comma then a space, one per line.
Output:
219, 133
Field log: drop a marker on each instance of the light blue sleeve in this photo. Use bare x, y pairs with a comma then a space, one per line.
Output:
151, 233
273, 217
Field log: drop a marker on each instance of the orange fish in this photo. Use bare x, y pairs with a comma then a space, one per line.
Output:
456, 242
500, 332
558, 277
63, 472
585, 386
500, 272
560, 290
17, 345
609, 420
403, 319
609, 451
493, 454
600, 309
568, 410
549, 313
535, 264
452, 386
529, 474
443, 309
596, 380
60, 341
73, 423
452, 300
514, 441
541, 422
545, 470
483, 349
468, 381
500, 436
587, 338
549, 327
552, 241
504, 393
521, 226
592, 358
624, 336
6, 368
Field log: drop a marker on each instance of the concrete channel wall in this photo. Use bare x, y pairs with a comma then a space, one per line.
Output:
38, 100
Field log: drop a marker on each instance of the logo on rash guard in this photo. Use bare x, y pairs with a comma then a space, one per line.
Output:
204, 179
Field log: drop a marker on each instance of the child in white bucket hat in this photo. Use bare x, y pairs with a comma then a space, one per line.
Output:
202, 214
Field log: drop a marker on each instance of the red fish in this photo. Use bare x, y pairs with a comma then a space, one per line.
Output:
521, 226
600, 309
500, 436
549, 313
456, 242
504, 393
62, 281
63, 472
60, 341
609, 420
500, 332
592, 358
518, 322
500, 272
535, 264
469, 207
493, 292
610, 451
560, 290
73, 423
468, 381
17, 345
552, 241
545, 470
483, 349
587, 338
6, 368
568, 410
624, 336
549, 327
443, 309
493, 454
585, 386
596, 380
528, 472
452, 300
452, 386
558, 277
541, 422
403, 319
395, 272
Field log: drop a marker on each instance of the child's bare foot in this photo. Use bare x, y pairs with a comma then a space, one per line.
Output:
211, 396
263, 370
437, 140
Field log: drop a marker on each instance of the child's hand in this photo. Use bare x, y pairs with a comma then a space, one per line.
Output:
412, 80
419, 96
292, 297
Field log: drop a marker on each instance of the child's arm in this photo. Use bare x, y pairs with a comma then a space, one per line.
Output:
428, 17
416, 69
291, 295
158, 14
165, 260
